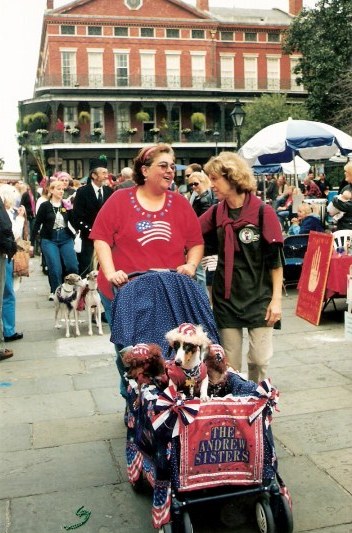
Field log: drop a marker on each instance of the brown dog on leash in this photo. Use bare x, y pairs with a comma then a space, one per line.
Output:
66, 299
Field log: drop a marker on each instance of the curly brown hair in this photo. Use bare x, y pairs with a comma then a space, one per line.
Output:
146, 156
234, 169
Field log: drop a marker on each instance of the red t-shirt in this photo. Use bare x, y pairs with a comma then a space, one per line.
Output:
141, 239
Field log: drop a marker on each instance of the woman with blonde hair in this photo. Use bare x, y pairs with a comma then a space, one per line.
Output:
56, 237
247, 286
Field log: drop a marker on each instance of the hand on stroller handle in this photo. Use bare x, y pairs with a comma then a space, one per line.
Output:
120, 278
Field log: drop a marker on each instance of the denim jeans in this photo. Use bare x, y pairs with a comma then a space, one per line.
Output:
59, 251
9, 303
120, 367
3, 260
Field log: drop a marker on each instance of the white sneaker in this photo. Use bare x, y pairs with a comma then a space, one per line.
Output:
51, 297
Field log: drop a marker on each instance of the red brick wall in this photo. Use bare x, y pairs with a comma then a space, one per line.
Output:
150, 8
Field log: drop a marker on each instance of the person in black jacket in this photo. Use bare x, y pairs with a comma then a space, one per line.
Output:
86, 207
345, 207
8, 249
56, 237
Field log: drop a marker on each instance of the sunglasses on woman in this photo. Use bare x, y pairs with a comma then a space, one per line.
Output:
194, 184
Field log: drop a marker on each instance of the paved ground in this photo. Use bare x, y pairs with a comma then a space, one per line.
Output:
62, 433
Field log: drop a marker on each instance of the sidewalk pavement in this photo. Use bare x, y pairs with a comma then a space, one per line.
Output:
62, 434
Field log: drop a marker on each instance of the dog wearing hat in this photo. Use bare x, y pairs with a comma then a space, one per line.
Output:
144, 365
187, 371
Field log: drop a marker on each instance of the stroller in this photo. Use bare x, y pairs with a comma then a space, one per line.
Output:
194, 453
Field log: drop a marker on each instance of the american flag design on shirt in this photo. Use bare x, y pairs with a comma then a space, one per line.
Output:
153, 231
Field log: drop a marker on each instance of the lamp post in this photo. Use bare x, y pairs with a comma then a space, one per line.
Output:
216, 137
237, 115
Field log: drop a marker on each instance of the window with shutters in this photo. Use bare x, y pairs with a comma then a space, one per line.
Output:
95, 69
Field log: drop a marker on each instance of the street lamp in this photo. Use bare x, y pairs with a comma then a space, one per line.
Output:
237, 115
216, 138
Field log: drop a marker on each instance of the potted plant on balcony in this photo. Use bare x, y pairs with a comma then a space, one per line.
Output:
98, 132
84, 117
186, 131
155, 131
198, 120
142, 116
132, 131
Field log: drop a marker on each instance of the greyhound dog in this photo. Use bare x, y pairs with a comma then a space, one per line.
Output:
66, 299
92, 302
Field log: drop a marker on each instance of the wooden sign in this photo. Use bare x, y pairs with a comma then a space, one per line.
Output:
312, 283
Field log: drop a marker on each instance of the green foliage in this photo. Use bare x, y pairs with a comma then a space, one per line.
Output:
84, 117
35, 121
142, 116
2, 163
269, 109
323, 37
198, 120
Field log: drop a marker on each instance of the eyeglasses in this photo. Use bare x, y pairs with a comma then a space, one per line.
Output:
194, 184
164, 166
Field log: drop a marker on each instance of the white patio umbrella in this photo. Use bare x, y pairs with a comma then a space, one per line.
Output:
296, 166
280, 142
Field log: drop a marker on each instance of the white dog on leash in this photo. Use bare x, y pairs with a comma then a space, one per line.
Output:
92, 302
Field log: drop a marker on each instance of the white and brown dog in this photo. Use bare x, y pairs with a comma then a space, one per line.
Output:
66, 300
187, 371
92, 302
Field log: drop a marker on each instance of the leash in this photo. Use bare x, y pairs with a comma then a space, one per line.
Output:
66, 299
81, 513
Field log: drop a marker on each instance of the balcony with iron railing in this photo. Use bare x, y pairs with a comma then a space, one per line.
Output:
170, 136
167, 83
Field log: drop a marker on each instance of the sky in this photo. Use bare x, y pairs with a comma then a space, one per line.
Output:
20, 31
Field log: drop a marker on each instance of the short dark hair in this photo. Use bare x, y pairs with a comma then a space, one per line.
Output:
146, 156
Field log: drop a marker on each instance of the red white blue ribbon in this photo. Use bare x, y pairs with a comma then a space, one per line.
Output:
170, 403
271, 394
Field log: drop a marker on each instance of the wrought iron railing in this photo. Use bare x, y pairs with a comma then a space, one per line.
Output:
170, 136
168, 82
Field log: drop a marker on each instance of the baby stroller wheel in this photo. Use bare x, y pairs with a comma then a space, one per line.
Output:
264, 515
187, 524
283, 514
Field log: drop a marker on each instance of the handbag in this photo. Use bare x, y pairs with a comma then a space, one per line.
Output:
21, 263
21, 257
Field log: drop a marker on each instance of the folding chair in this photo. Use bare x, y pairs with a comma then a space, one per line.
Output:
295, 246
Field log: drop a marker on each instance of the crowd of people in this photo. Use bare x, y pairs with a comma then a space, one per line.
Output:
215, 228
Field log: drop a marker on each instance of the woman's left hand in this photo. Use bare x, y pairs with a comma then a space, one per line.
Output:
273, 312
21, 211
189, 269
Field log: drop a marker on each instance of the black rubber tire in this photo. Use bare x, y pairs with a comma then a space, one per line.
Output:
264, 515
187, 524
283, 515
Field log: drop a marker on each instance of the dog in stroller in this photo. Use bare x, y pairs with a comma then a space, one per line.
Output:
195, 452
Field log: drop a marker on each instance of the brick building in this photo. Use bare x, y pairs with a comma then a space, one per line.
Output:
113, 75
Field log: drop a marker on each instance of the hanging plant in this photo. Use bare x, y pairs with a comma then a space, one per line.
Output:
198, 120
84, 117
142, 116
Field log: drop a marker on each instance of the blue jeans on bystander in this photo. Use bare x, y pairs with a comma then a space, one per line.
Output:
59, 251
9, 303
